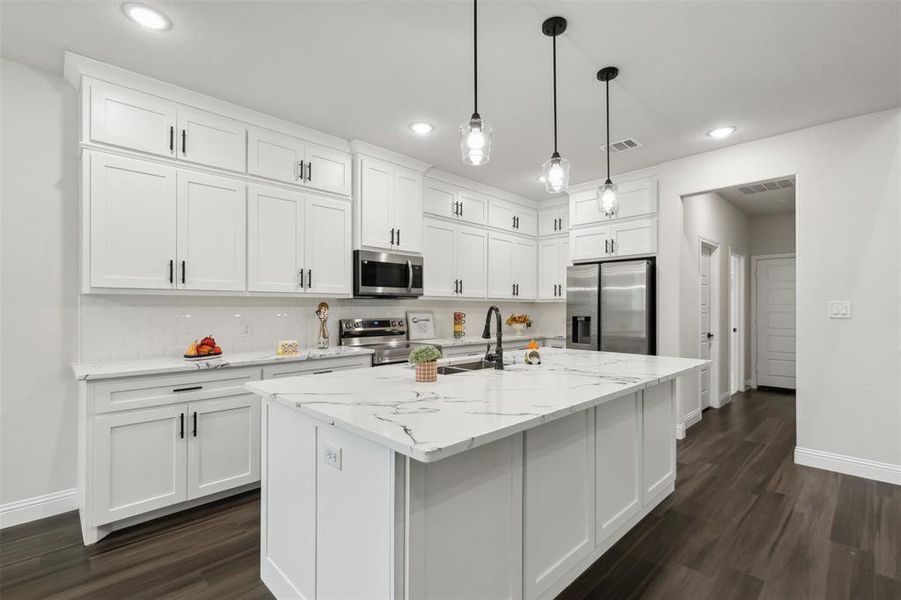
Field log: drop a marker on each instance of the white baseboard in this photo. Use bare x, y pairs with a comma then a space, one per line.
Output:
32, 509
687, 421
724, 399
849, 465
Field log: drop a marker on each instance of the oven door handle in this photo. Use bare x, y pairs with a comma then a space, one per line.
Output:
409, 276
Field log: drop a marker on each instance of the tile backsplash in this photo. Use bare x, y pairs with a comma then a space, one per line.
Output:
126, 327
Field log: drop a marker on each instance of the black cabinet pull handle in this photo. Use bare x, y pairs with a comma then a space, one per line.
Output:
398, 237
193, 388
461, 208
514, 222
183, 272
171, 271
309, 171
606, 246
181, 425
300, 276
322, 372
461, 286
301, 177
456, 286
171, 138
195, 423
310, 278
612, 245
513, 291
183, 141
392, 236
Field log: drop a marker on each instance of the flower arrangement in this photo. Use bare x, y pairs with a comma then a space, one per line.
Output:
425, 357
519, 322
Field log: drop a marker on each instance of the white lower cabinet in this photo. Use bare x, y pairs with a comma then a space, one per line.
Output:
618, 450
553, 258
455, 258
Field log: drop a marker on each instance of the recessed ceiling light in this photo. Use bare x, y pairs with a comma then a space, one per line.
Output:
721, 132
146, 17
422, 128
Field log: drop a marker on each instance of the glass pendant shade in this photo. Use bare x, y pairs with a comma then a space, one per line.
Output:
608, 203
556, 174
475, 141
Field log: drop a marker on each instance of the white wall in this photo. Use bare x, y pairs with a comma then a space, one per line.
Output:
38, 300
712, 218
773, 234
848, 189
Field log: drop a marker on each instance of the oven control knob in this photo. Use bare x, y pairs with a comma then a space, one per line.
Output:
358, 325
347, 326
394, 323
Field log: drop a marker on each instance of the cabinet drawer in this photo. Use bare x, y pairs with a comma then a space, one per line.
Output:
156, 390
317, 367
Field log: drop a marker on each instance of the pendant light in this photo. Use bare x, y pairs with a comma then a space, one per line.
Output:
556, 169
475, 134
608, 203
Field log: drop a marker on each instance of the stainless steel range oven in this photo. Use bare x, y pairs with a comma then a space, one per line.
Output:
386, 337
386, 274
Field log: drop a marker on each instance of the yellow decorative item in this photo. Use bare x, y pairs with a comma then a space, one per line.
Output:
287, 348
532, 345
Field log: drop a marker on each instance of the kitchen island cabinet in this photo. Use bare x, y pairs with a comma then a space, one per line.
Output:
488, 483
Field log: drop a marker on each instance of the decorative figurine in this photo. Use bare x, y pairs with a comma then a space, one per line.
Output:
322, 313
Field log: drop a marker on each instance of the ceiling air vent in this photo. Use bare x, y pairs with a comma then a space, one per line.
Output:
622, 145
766, 186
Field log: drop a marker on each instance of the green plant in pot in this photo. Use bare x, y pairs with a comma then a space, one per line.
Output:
425, 358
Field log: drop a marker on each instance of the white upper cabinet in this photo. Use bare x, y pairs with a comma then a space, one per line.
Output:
590, 243
455, 259
553, 220
512, 217
553, 258
130, 119
636, 237
132, 222
447, 200
285, 158
512, 267
472, 262
209, 139
637, 197
211, 232
327, 246
525, 269
390, 206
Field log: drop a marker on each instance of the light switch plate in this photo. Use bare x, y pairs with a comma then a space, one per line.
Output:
838, 309
332, 456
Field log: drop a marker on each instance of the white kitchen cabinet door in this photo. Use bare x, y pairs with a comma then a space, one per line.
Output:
590, 243
439, 276
223, 444
274, 155
553, 220
327, 246
565, 263
525, 269
634, 237
130, 119
274, 239
549, 263
439, 198
527, 221
408, 210
472, 262
658, 452
133, 232
637, 197
473, 207
376, 203
501, 250
327, 169
559, 501
618, 459
139, 461
211, 232
210, 139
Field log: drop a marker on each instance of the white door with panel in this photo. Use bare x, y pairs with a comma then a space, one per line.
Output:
471, 251
130, 119
705, 335
211, 232
618, 454
140, 457
210, 139
223, 444
407, 210
132, 223
456, 259
553, 220
553, 258
501, 252
327, 245
274, 240
377, 203
525, 268
327, 169
275, 155
775, 307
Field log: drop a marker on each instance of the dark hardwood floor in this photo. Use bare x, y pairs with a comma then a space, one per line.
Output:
744, 522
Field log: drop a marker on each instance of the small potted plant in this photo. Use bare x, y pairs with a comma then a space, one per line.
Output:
425, 358
519, 322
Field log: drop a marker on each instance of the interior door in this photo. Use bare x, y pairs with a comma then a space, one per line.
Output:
377, 204
274, 155
139, 461
408, 210
131, 119
327, 243
328, 169
500, 266
274, 240
706, 335
439, 275
735, 324
211, 232
525, 269
472, 262
210, 139
776, 322
223, 444
132, 234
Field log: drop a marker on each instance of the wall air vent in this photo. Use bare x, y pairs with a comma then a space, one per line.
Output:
622, 145
766, 186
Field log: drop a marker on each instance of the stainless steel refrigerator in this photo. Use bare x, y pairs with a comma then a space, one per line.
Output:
611, 306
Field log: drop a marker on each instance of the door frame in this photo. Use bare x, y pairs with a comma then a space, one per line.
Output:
714, 283
754, 261
742, 321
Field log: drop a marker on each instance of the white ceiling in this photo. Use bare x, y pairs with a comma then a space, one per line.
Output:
367, 69
762, 203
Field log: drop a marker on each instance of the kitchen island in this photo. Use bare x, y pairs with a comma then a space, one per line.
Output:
484, 484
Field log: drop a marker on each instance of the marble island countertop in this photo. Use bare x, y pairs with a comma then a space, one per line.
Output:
477, 340
431, 421
177, 364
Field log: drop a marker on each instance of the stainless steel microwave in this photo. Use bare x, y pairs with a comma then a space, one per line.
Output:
387, 275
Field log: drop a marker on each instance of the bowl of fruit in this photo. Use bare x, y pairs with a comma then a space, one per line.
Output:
203, 350
519, 322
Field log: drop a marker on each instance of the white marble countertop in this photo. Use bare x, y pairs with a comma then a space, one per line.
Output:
477, 340
154, 366
431, 421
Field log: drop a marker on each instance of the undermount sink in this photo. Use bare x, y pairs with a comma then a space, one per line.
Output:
464, 367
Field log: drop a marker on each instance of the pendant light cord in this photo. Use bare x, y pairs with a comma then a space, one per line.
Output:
607, 88
554, 38
475, 56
